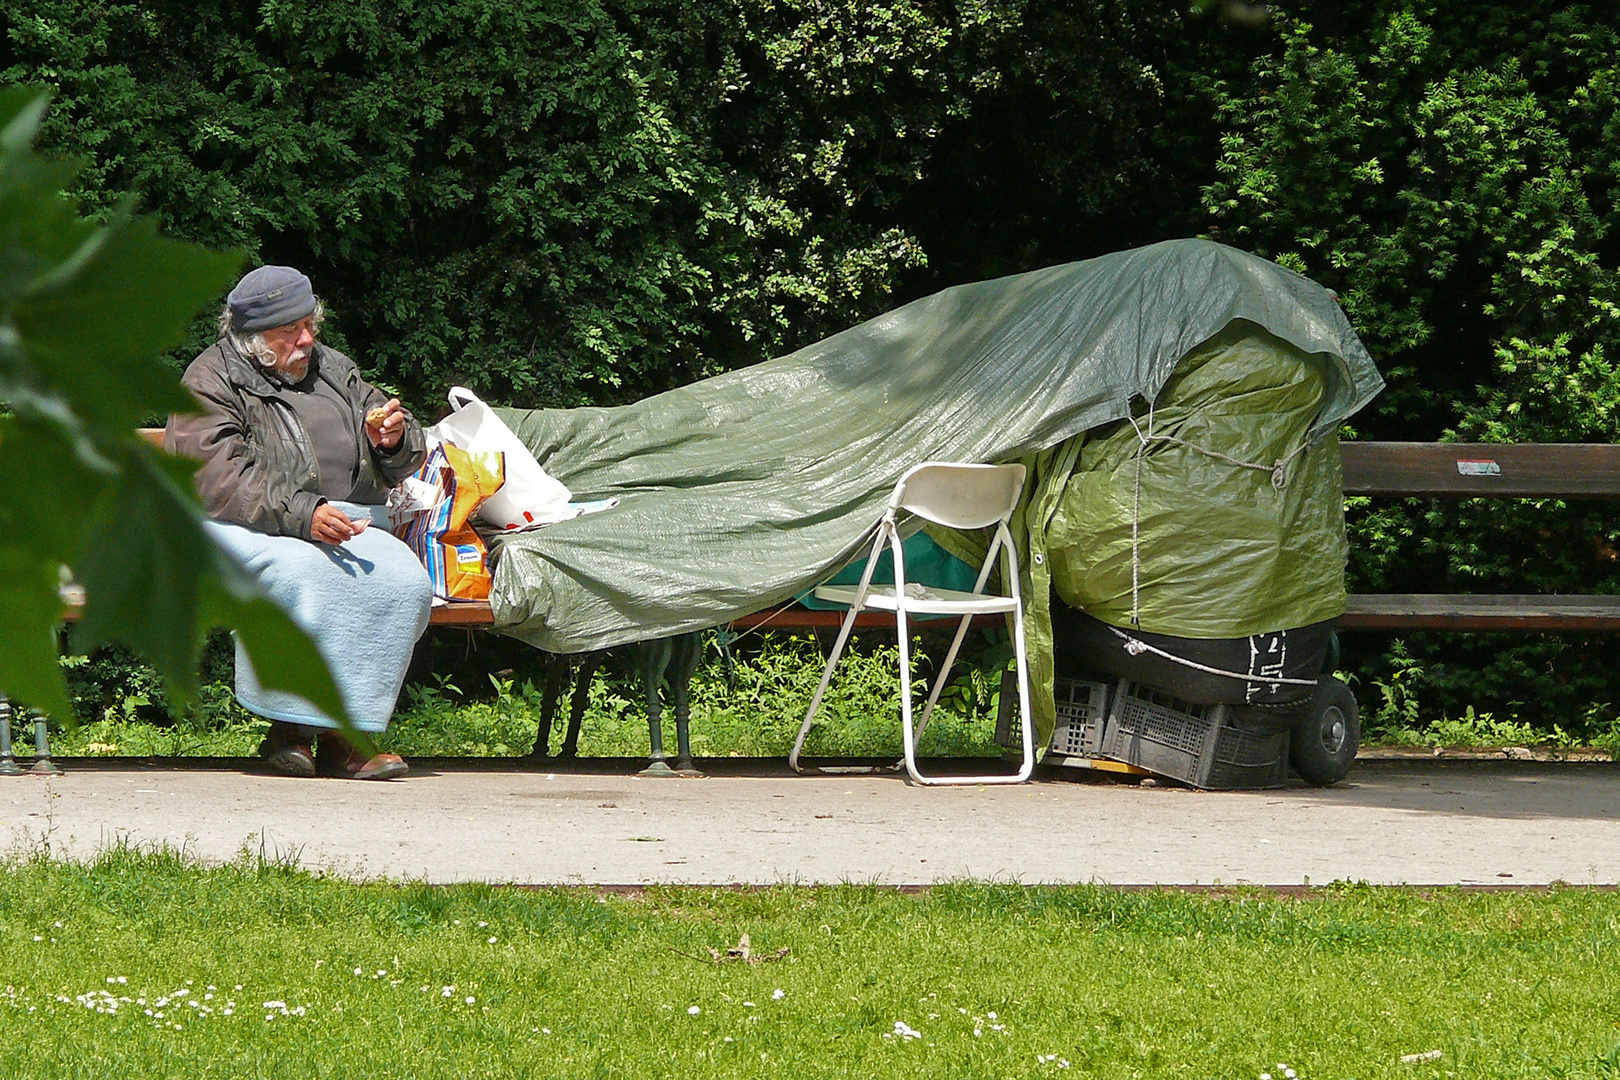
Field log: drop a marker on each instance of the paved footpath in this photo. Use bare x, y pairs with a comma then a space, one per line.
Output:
1466, 822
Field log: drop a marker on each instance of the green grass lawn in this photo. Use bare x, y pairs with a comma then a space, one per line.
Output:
147, 965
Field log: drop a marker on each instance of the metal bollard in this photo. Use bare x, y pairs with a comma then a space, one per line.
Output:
8, 764
43, 765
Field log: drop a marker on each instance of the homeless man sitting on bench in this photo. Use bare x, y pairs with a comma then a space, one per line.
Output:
297, 449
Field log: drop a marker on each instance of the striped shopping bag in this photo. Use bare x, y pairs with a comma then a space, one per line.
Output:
432, 512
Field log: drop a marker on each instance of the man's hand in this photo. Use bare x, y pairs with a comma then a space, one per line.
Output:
385, 425
329, 525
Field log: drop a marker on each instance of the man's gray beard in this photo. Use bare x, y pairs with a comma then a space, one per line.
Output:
296, 366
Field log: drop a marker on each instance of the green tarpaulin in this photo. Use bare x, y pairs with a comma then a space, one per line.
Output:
741, 491
1196, 532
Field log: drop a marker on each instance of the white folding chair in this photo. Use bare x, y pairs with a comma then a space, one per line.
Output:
957, 496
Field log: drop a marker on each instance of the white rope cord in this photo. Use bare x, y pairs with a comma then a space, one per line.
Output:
1279, 480
1136, 647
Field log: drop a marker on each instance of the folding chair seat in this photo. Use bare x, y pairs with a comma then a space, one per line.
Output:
956, 496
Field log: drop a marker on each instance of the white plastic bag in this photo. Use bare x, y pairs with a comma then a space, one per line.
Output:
530, 496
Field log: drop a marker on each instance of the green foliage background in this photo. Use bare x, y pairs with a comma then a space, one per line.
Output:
560, 202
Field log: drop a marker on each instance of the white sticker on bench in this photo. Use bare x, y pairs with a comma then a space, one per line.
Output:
1481, 467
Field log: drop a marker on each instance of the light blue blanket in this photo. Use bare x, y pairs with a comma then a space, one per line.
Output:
364, 602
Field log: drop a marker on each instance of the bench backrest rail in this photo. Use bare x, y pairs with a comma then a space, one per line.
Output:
1489, 470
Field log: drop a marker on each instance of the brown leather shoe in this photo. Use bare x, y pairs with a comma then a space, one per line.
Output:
337, 758
289, 749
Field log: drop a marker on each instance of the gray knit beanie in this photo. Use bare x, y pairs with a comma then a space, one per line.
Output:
268, 297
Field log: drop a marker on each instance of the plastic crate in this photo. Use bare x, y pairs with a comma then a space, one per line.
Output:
1191, 743
1082, 713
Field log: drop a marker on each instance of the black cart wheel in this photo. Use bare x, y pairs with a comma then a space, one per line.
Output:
1324, 741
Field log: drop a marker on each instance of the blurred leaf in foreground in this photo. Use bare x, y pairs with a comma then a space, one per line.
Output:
85, 311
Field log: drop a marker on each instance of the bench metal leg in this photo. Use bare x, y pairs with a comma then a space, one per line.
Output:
582, 701
558, 669
688, 650
43, 765
8, 763
676, 656
563, 670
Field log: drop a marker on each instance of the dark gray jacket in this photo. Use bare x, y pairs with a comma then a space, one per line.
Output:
258, 466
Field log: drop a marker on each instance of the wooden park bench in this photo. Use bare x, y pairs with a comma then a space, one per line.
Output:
1474, 471
1383, 469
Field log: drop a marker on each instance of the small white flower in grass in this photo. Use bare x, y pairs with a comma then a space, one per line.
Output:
492, 941
357, 971
111, 979
447, 991
226, 1012
992, 1016
546, 1030
38, 938
749, 1005
381, 972
778, 994
906, 1031
471, 1000
694, 1010
1265, 1076
1289, 1073
482, 925
211, 986
57, 925
239, 986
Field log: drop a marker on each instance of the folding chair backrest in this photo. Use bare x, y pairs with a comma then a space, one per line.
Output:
959, 495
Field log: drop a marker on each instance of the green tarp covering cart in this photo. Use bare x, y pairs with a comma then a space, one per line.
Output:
1176, 406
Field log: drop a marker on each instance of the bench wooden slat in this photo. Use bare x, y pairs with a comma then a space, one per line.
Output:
1426, 611
1563, 470
478, 613
463, 613
806, 619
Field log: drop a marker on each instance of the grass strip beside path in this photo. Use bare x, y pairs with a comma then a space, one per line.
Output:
147, 964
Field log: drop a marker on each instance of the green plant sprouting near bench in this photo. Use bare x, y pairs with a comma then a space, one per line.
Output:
86, 310
751, 708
